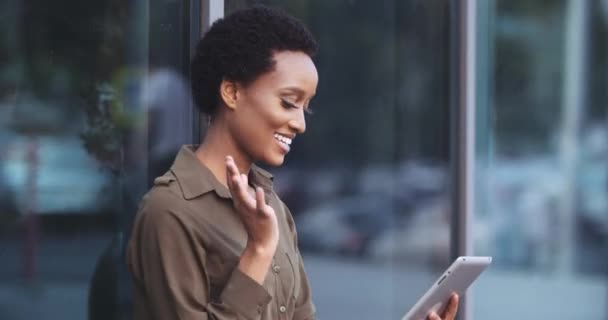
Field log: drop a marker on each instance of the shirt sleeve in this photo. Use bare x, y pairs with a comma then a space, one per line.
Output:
304, 306
168, 262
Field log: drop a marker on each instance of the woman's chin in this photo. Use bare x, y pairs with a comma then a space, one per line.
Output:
274, 160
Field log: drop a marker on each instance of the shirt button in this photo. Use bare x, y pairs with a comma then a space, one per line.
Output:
276, 268
282, 309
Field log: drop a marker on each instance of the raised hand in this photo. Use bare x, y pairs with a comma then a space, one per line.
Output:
259, 219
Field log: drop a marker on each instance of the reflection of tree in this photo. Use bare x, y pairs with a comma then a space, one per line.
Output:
64, 54
61, 39
599, 60
106, 126
528, 75
106, 122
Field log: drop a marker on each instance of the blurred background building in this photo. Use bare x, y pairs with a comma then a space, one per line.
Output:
94, 103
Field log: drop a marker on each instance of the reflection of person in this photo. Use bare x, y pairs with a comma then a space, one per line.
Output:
212, 240
166, 98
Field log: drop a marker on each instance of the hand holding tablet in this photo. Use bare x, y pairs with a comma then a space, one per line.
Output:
455, 280
450, 310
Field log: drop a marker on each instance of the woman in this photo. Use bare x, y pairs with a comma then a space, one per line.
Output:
211, 239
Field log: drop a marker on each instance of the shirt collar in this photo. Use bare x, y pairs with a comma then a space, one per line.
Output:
195, 179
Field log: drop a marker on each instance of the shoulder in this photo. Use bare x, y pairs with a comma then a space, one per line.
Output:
166, 200
159, 199
162, 204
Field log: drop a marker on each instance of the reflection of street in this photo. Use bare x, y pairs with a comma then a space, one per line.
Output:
50, 300
342, 288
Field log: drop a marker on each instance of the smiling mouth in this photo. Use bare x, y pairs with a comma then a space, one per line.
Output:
283, 139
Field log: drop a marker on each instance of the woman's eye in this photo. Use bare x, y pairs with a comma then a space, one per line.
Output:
288, 105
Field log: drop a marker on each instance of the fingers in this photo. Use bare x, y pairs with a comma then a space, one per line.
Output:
242, 194
229, 173
261, 206
259, 197
237, 183
232, 176
452, 309
433, 316
235, 178
231, 169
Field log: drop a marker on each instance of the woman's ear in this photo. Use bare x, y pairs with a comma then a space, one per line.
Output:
229, 93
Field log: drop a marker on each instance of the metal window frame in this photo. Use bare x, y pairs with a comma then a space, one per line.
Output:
463, 105
202, 14
194, 33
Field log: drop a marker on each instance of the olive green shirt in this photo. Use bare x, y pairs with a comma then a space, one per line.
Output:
185, 248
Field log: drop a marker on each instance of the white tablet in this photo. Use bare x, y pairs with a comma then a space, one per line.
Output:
457, 278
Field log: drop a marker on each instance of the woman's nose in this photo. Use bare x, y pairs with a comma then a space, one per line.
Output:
299, 122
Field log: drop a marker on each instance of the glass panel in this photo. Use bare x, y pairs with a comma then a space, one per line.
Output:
368, 182
542, 167
84, 102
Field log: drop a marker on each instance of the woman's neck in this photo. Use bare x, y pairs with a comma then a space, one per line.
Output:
217, 144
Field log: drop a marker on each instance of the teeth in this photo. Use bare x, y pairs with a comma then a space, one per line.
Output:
283, 139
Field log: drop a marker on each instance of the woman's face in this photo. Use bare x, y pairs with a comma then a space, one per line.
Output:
269, 112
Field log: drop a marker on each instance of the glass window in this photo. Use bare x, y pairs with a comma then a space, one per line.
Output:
368, 183
542, 166
94, 101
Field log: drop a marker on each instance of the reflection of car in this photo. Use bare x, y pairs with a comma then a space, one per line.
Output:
425, 238
346, 225
519, 199
411, 182
67, 179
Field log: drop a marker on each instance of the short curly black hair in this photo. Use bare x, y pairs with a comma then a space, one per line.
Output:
240, 47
